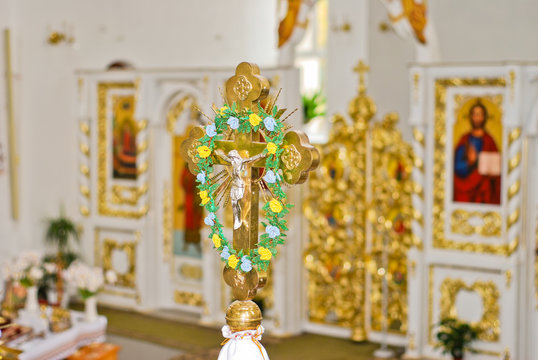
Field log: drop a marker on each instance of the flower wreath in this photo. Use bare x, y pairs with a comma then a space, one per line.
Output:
272, 130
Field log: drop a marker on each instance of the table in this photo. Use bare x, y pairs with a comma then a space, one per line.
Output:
56, 346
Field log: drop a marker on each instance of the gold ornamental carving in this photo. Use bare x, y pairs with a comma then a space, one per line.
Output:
336, 209
489, 324
491, 223
390, 213
128, 278
188, 298
440, 239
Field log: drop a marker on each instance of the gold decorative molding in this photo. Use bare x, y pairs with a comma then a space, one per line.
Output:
84, 211
188, 298
127, 279
192, 272
508, 275
512, 218
491, 225
13, 154
127, 195
514, 162
419, 136
514, 135
512, 75
176, 110
167, 223
416, 80
103, 164
84, 128
489, 324
440, 239
336, 211
85, 191
513, 190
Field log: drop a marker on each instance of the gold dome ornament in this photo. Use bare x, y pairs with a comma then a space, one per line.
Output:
243, 315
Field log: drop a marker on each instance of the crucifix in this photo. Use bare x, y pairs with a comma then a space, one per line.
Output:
243, 154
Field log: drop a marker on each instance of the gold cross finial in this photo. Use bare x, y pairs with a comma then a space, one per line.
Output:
247, 86
361, 69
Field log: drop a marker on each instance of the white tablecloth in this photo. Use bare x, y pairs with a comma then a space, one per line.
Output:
57, 346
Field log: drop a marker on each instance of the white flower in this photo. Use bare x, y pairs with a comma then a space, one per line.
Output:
35, 273
111, 277
50, 268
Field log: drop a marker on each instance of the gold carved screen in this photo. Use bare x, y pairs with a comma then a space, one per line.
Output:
364, 174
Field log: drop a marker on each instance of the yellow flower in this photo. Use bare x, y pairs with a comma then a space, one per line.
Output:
216, 240
271, 148
204, 197
254, 119
232, 261
265, 254
203, 151
223, 109
275, 206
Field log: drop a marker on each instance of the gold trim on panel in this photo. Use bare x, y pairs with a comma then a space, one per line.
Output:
10, 106
512, 75
419, 136
167, 223
127, 279
176, 111
416, 80
439, 237
84, 149
514, 162
85, 170
103, 206
512, 218
514, 135
489, 324
191, 272
508, 275
84, 128
127, 195
188, 298
84, 211
85, 191
491, 223
513, 190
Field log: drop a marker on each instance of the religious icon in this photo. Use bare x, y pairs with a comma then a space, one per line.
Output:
188, 214
477, 153
124, 138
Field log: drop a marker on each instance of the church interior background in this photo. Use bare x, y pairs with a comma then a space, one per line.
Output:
424, 205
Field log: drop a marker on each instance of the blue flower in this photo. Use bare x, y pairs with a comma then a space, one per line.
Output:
211, 130
272, 231
233, 122
209, 219
270, 123
201, 177
225, 254
246, 265
269, 177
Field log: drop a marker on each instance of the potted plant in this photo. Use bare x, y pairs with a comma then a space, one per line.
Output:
59, 233
455, 336
313, 105
27, 271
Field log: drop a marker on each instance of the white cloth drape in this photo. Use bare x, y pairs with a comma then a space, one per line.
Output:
242, 345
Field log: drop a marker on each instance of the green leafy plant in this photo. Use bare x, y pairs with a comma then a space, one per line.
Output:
455, 337
313, 106
60, 230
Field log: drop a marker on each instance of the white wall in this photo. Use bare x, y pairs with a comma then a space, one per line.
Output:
149, 34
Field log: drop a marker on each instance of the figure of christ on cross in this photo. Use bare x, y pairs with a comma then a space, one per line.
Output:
240, 175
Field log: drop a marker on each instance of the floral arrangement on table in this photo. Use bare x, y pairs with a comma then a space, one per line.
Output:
88, 280
26, 269
273, 130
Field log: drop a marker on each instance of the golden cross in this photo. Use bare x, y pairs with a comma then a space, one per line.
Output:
246, 88
361, 69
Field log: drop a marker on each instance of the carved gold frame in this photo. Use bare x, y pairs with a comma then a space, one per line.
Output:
103, 248
116, 192
439, 177
489, 293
